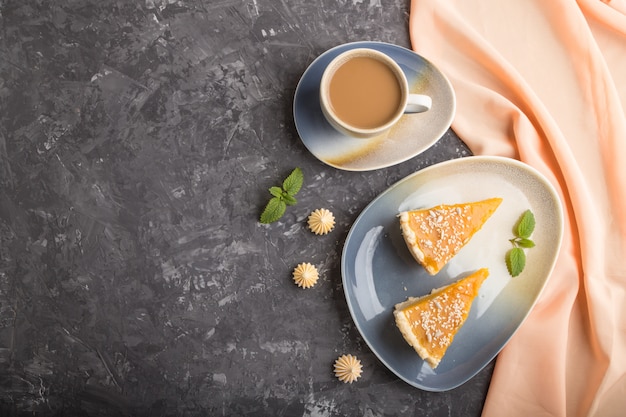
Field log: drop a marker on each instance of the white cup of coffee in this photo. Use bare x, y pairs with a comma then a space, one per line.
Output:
363, 93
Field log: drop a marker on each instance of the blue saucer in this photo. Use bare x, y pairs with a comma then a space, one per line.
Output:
413, 134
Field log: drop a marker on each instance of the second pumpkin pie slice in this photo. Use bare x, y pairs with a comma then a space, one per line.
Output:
429, 323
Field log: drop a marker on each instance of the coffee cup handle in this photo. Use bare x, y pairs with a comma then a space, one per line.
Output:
418, 103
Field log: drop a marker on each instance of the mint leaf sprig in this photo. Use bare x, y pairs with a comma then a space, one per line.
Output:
282, 197
516, 257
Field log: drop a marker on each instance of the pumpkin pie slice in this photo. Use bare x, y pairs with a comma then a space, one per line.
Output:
429, 323
436, 235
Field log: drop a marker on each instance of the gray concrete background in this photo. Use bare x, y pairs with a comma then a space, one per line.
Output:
137, 144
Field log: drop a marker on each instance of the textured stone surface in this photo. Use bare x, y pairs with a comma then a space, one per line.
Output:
137, 143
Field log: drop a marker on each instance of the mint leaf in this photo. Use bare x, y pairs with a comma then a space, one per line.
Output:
293, 182
526, 225
524, 242
276, 192
273, 211
516, 258
515, 261
289, 200
282, 197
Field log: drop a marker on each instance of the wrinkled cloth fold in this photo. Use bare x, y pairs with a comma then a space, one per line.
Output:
545, 82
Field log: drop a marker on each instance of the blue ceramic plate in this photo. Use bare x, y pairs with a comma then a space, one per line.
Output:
413, 134
378, 271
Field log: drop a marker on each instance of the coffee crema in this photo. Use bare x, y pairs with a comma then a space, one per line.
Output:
365, 92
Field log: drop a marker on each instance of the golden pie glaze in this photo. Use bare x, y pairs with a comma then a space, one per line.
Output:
429, 323
436, 235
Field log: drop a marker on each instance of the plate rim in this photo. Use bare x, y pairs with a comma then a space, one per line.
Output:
401, 49
437, 166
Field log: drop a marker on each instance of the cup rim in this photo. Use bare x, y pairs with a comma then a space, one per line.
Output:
325, 99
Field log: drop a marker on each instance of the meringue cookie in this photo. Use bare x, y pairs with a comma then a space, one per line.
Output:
348, 368
305, 275
321, 221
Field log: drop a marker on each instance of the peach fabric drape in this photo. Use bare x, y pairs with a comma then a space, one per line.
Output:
544, 81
